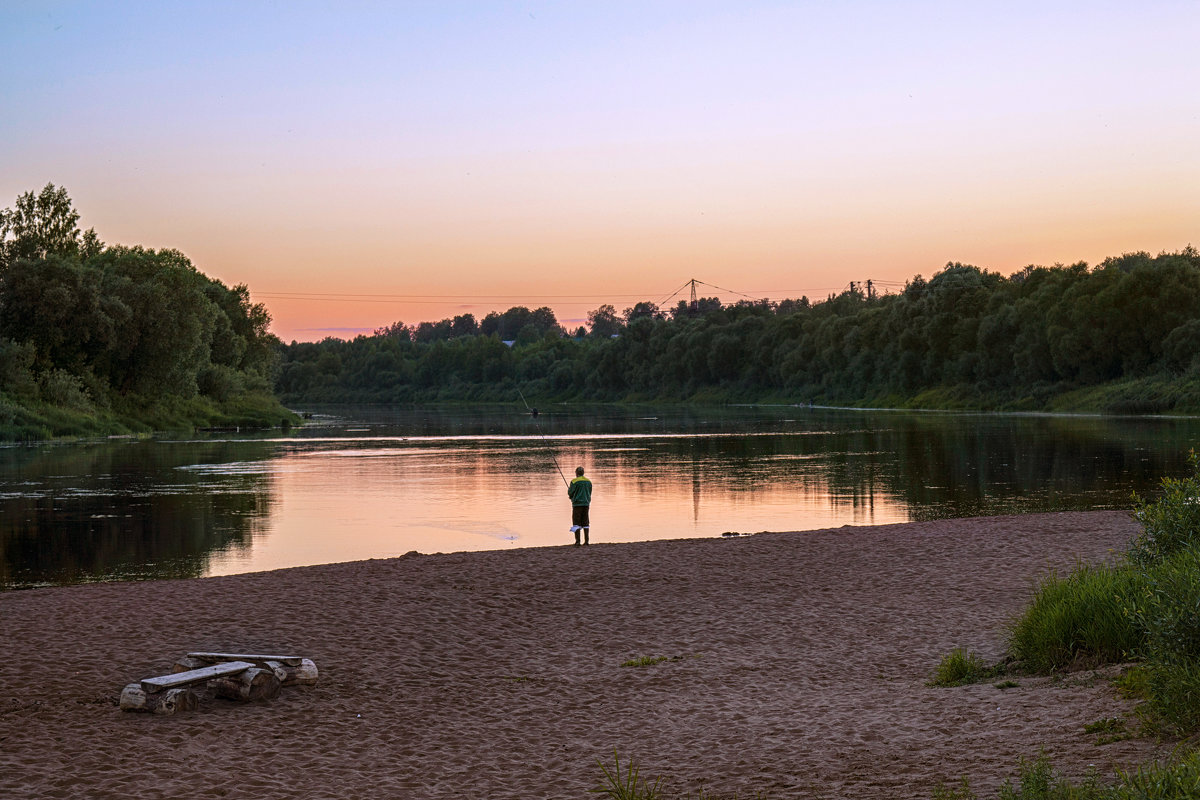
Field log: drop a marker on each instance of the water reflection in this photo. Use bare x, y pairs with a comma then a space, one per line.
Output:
365, 483
120, 511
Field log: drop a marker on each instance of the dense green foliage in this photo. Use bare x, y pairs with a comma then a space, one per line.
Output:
1041, 338
1170, 524
105, 339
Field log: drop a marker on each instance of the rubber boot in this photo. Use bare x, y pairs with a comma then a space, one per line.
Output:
585, 535
577, 537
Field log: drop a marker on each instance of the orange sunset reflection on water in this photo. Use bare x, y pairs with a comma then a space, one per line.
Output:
377, 482
385, 498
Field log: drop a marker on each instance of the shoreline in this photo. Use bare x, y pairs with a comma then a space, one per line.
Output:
796, 665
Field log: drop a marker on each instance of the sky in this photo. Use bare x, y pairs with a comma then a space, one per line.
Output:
357, 164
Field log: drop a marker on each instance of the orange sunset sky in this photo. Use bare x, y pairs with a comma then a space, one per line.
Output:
361, 163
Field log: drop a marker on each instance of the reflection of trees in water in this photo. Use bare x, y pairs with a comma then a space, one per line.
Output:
123, 512
939, 465
996, 465
552, 419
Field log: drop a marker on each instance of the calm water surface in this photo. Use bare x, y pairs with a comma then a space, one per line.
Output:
359, 483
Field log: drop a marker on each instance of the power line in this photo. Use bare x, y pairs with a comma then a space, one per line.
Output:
663, 302
428, 297
441, 299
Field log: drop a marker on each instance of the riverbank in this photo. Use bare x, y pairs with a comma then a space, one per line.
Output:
795, 666
29, 420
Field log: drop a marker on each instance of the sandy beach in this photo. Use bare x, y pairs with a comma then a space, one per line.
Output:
796, 667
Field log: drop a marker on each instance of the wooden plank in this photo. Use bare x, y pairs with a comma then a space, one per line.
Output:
194, 676
291, 661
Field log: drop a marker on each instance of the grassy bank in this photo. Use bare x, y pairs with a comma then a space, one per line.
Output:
1139, 611
34, 421
1156, 394
1159, 394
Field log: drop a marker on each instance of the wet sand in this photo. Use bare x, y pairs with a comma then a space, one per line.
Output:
796, 667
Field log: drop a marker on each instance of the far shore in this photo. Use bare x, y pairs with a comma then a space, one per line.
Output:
790, 664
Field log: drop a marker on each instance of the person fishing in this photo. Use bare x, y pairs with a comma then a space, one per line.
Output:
580, 492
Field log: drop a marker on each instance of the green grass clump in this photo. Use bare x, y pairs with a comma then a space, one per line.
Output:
960, 792
1038, 780
627, 783
644, 661
960, 667
1109, 730
1079, 620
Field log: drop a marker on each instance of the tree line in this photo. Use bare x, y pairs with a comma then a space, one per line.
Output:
1122, 336
105, 338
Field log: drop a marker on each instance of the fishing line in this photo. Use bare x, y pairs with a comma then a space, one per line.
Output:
544, 439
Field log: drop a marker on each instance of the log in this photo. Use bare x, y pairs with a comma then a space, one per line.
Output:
187, 663
305, 674
248, 685
291, 670
166, 703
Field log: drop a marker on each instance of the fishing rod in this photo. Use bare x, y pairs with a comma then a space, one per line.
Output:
533, 414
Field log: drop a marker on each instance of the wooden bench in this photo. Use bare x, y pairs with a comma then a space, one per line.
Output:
169, 694
291, 670
202, 675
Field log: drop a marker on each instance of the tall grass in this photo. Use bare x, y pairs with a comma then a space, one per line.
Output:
1177, 781
1078, 620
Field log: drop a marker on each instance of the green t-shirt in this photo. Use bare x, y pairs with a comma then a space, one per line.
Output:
580, 491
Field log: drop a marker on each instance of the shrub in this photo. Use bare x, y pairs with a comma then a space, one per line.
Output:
62, 389
1173, 698
220, 382
1170, 523
16, 369
1167, 609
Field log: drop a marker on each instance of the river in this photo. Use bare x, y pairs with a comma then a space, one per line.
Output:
370, 482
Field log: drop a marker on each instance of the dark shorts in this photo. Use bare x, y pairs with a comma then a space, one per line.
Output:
579, 516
